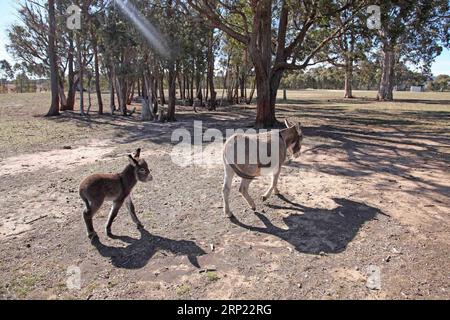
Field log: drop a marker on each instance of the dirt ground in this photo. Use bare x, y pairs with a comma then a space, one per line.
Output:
364, 212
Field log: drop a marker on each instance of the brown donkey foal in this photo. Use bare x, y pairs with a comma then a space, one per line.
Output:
97, 188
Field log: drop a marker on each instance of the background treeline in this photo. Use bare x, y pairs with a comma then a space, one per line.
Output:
213, 51
316, 78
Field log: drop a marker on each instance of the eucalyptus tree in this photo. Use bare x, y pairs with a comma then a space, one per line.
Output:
279, 34
120, 43
411, 31
351, 46
7, 72
29, 44
54, 107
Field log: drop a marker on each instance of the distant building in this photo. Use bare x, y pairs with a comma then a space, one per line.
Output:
420, 88
11, 88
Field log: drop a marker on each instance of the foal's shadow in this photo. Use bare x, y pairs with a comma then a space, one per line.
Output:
318, 230
139, 251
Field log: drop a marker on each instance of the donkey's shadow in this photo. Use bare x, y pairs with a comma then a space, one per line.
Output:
318, 230
139, 251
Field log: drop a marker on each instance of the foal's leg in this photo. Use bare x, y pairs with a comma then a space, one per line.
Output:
243, 189
88, 213
273, 185
112, 215
228, 179
132, 212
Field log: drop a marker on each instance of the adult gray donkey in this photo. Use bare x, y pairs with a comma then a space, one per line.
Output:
253, 155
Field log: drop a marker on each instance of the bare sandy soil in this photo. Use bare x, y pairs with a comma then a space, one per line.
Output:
370, 192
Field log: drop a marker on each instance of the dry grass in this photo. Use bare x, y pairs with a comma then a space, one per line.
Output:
23, 127
373, 177
413, 101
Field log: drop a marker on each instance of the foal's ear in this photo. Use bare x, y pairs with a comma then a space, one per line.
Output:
298, 127
137, 153
287, 123
132, 160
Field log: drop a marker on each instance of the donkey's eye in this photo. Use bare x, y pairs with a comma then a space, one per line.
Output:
142, 170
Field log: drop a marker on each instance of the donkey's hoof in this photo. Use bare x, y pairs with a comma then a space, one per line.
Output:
93, 236
140, 226
229, 215
253, 208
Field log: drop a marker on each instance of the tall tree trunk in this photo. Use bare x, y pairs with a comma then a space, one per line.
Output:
236, 85
191, 98
161, 88
54, 107
89, 92
140, 94
260, 49
265, 113
81, 74
62, 95
112, 94
349, 59
97, 74
385, 92
183, 93
206, 94
143, 90
242, 80
210, 72
130, 92
198, 86
348, 78
252, 92
275, 81
147, 108
155, 95
121, 88
70, 102
178, 75
172, 93
229, 85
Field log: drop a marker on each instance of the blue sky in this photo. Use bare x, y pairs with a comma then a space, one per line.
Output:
8, 16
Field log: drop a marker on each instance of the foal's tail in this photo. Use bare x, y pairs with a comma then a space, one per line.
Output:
85, 200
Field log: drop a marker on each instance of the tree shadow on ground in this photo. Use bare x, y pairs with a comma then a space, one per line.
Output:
138, 252
394, 143
316, 230
423, 101
130, 129
395, 153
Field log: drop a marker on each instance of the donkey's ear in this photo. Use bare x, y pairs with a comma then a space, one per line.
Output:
137, 153
132, 160
287, 123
